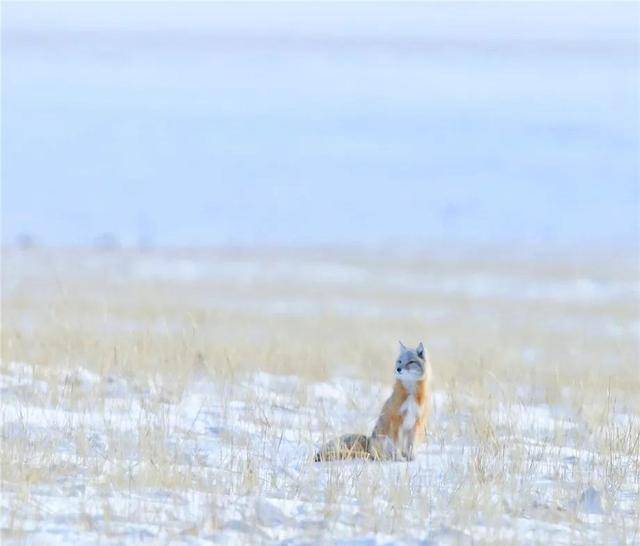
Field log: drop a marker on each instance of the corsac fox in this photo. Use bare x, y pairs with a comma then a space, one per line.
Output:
402, 421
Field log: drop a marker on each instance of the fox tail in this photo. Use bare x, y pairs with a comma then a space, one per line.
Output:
349, 446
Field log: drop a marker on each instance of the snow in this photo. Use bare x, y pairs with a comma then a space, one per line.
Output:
467, 284
229, 463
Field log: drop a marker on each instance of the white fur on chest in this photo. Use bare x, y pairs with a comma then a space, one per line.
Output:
411, 411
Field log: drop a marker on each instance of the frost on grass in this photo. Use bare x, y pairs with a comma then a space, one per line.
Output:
92, 459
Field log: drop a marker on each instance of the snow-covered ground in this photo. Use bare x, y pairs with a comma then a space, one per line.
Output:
90, 459
156, 397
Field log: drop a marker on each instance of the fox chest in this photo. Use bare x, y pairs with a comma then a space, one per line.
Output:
410, 413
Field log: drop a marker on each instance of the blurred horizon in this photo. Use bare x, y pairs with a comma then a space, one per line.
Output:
292, 125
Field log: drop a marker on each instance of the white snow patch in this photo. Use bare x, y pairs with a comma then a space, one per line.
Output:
230, 463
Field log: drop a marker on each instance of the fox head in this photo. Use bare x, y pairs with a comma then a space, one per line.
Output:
412, 364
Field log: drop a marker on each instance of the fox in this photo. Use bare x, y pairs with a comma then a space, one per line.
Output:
402, 421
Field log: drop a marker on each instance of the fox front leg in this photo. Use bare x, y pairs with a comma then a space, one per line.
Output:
402, 446
407, 448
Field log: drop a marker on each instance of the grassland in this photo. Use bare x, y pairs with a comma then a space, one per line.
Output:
160, 396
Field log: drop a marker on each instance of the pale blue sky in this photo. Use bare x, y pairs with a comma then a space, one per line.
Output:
417, 124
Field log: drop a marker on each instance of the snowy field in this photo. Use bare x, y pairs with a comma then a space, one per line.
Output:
177, 397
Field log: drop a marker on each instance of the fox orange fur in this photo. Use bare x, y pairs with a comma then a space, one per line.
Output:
403, 419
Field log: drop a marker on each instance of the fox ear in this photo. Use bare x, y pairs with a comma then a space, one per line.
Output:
420, 350
403, 349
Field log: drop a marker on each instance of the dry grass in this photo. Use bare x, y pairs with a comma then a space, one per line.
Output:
177, 395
